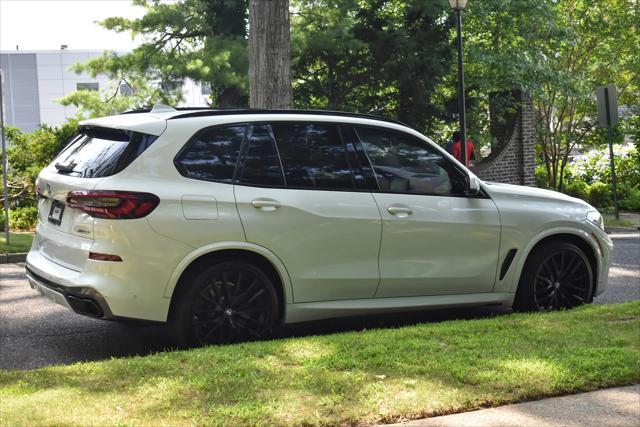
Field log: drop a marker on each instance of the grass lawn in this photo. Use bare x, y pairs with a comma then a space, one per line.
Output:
364, 377
20, 242
612, 222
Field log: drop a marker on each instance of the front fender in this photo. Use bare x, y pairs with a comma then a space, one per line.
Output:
601, 246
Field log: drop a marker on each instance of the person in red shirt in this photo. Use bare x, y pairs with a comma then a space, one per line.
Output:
457, 149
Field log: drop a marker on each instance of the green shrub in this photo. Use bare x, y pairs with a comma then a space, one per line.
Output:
23, 218
27, 154
542, 180
599, 195
629, 200
578, 189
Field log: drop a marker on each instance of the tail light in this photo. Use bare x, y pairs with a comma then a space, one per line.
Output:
39, 192
113, 204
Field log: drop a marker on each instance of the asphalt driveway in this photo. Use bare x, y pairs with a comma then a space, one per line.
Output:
35, 332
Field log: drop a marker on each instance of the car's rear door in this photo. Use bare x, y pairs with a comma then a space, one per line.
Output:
435, 240
300, 196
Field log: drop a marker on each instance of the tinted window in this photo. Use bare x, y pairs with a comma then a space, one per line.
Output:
362, 173
212, 155
261, 165
404, 164
100, 152
313, 156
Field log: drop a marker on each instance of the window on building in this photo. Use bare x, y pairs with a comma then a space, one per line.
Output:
125, 90
87, 86
205, 89
169, 85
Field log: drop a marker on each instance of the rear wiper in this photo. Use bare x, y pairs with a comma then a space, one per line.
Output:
65, 168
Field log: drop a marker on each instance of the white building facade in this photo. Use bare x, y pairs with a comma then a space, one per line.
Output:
34, 80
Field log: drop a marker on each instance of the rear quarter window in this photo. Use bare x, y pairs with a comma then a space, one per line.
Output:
101, 152
212, 154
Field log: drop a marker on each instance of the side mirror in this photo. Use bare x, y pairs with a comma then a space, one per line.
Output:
473, 185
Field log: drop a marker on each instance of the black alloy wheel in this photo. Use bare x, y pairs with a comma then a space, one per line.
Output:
556, 276
228, 302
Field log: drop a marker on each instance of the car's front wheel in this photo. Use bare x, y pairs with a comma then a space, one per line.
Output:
227, 302
557, 275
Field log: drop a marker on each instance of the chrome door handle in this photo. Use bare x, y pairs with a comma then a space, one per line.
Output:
265, 204
402, 211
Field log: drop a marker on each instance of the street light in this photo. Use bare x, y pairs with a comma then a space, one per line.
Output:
5, 190
459, 6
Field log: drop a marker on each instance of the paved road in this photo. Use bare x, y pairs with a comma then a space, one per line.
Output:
35, 332
612, 407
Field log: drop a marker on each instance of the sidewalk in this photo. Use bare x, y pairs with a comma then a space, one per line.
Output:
610, 407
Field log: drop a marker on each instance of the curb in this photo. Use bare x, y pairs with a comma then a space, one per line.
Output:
12, 258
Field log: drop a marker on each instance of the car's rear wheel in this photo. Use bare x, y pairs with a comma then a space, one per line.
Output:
227, 302
557, 275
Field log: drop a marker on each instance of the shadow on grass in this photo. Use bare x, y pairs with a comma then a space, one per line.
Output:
42, 334
354, 377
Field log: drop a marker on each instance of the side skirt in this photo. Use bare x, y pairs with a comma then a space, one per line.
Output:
306, 311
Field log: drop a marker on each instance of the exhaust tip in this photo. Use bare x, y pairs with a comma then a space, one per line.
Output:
85, 306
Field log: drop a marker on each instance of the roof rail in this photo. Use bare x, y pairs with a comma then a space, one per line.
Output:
149, 110
231, 111
186, 112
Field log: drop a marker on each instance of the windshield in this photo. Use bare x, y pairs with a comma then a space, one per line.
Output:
101, 152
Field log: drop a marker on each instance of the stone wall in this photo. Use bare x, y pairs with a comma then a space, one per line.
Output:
512, 159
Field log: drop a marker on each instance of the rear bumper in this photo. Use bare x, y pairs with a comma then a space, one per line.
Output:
105, 290
85, 301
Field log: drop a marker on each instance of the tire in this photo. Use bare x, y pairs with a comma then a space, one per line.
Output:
556, 276
228, 302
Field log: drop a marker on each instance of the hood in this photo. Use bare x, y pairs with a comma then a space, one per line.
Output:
499, 189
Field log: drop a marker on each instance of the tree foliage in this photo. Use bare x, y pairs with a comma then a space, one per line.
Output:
204, 40
27, 154
383, 56
559, 50
396, 58
106, 102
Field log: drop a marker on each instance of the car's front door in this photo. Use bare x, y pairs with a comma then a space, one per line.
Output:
435, 240
299, 199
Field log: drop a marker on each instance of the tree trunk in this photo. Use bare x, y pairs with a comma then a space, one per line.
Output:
269, 54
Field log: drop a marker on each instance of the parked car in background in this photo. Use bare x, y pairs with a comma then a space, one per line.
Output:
226, 223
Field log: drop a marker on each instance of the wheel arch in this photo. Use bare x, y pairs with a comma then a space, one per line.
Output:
578, 237
254, 254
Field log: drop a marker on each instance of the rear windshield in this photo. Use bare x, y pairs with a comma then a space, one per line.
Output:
100, 152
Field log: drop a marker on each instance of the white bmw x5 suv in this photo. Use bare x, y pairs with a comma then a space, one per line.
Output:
226, 223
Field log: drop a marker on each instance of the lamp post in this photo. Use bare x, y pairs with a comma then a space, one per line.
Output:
5, 191
459, 6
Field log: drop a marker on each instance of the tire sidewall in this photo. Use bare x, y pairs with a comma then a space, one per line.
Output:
524, 299
182, 326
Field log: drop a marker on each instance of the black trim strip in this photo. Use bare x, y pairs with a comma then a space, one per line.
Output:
204, 112
234, 181
79, 293
507, 262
